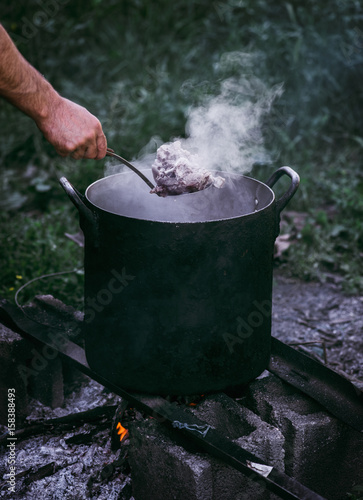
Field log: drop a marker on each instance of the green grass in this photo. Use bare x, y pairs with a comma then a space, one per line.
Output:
140, 66
36, 246
331, 241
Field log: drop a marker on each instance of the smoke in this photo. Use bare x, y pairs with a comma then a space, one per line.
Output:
227, 129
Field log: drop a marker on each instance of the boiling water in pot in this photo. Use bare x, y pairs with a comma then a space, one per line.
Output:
125, 194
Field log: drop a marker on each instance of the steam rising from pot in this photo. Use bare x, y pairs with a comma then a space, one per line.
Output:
224, 132
224, 137
227, 129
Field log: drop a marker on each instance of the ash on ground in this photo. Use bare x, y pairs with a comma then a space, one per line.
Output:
321, 321
71, 470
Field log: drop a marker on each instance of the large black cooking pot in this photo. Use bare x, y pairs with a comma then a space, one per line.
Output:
178, 289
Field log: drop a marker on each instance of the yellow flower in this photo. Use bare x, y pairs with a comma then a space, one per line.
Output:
11, 288
19, 277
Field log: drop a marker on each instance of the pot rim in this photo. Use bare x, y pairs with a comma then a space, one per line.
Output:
219, 172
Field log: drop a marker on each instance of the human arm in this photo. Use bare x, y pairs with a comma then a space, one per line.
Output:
70, 128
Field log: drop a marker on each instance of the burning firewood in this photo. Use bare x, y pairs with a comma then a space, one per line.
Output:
119, 432
63, 423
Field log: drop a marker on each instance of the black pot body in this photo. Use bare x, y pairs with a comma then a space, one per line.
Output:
178, 307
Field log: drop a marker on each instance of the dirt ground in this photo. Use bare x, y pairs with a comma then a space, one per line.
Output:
320, 314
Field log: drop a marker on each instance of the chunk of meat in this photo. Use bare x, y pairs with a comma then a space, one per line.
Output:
177, 171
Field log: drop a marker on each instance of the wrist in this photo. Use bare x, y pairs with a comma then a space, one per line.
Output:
41, 104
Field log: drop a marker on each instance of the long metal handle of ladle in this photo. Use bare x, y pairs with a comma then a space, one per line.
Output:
110, 152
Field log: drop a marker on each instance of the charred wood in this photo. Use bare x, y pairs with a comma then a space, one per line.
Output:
61, 424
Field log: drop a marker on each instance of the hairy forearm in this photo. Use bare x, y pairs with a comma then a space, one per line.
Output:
71, 128
23, 85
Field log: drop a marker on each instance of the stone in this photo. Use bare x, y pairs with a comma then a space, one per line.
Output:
163, 468
13, 351
321, 452
246, 429
37, 371
47, 386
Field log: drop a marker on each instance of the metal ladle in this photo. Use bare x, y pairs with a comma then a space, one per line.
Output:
110, 152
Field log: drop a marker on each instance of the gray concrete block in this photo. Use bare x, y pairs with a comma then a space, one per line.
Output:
34, 371
13, 349
321, 452
43, 370
246, 429
163, 469
47, 385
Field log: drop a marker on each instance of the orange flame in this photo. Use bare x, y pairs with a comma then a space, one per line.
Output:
193, 403
122, 432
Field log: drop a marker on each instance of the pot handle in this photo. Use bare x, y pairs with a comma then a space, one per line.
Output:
78, 201
295, 181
